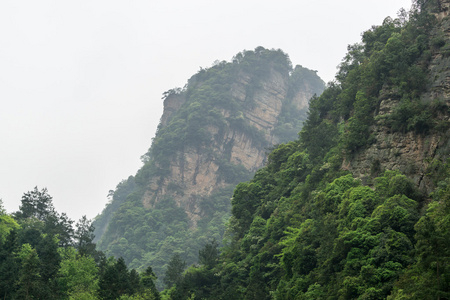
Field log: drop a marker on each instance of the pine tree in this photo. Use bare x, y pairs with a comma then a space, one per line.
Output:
36, 204
84, 236
174, 270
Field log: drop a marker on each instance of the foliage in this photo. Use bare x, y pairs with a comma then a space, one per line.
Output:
174, 271
37, 204
291, 119
29, 277
77, 275
35, 264
209, 254
7, 223
84, 236
304, 228
428, 277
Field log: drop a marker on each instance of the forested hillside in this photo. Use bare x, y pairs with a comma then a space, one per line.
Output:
359, 206
214, 133
356, 206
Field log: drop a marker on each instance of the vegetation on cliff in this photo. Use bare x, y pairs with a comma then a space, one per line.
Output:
305, 228
151, 216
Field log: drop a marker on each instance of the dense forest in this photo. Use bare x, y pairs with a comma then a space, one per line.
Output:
305, 227
44, 255
316, 222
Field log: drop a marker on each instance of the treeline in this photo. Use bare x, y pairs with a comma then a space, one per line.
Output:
44, 255
305, 228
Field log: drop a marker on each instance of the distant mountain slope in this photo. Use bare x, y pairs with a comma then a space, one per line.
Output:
359, 206
214, 133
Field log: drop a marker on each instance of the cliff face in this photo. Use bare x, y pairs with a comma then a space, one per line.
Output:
213, 134
196, 171
413, 153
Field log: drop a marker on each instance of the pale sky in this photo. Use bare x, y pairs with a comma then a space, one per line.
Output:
81, 81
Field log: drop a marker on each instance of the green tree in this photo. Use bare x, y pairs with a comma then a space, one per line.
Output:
37, 207
115, 281
174, 270
84, 236
9, 268
209, 254
148, 283
36, 203
47, 250
29, 281
59, 225
77, 275
7, 223
433, 242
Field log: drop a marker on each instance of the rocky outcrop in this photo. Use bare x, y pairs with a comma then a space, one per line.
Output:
213, 134
444, 7
412, 153
196, 172
172, 103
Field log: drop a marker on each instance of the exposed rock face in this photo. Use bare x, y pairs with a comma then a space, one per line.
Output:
439, 87
196, 172
444, 7
172, 103
267, 102
412, 153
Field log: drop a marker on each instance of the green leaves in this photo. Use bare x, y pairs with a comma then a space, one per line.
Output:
7, 223
116, 280
303, 228
342, 234
37, 204
78, 275
209, 254
29, 281
246, 199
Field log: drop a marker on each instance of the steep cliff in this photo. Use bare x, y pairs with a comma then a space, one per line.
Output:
213, 134
359, 206
418, 150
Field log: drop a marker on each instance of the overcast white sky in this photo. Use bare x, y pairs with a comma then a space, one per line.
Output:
81, 81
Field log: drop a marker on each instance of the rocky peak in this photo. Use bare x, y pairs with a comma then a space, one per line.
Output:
198, 172
213, 134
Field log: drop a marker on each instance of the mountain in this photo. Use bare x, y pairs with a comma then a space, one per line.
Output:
213, 134
359, 206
